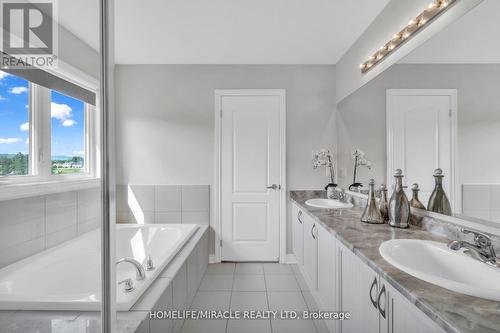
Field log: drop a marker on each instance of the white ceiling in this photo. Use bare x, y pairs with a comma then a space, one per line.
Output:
227, 31
470, 40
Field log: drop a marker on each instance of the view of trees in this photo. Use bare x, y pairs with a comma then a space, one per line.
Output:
14, 164
17, 164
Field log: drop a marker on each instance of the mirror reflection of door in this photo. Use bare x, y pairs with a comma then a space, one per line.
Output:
421, 127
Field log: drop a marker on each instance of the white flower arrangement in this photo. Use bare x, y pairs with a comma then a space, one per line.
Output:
360, 160
324, 157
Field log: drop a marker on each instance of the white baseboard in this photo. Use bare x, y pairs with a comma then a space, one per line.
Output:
291, 259
211, 258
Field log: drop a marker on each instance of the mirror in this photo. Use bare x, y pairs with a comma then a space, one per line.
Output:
439, 107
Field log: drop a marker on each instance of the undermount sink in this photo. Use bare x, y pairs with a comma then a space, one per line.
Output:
435, 263
328, 203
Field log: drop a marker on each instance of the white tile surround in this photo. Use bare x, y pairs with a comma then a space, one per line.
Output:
163, 204
481, 201
30, 225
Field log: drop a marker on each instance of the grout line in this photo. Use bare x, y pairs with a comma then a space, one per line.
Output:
305, 301
231, 296
267, 299
182, 215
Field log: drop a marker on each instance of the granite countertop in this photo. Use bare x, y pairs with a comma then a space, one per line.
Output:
452, 311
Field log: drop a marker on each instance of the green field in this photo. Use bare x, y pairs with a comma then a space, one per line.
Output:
65, 171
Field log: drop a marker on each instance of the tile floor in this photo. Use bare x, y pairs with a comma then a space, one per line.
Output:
253, 286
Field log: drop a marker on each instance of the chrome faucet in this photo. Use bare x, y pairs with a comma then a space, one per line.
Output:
342, 197
140, 272
482, 249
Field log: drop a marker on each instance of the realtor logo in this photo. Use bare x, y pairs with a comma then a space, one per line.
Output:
29, 33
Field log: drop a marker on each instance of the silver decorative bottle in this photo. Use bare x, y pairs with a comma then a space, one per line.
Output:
399, 206
372, 213
438, 202
415, 203
384, 204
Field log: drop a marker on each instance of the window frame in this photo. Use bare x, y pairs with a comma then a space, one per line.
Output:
40, 132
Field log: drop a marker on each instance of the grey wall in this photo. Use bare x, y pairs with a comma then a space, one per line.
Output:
165, 119
30, 225
361, 118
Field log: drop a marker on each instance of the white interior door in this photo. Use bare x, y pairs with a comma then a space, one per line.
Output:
420, 132
250, 165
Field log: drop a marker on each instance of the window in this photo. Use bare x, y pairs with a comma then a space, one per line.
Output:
14, 125
68, 134
45, 133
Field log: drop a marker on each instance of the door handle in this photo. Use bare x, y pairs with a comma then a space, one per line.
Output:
274, 187
382, 291
312, 231
374, 284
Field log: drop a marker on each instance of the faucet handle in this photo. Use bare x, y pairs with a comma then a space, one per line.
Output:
480, 238
129, 285
149, 264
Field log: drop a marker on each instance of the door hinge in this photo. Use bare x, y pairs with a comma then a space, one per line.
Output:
220, 243
450, 113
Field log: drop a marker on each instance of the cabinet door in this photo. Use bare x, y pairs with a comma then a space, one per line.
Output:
298, 234
404, 317
310, 251
358, 294
326, 277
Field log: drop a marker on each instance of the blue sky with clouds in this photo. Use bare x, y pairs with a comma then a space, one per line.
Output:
67, 119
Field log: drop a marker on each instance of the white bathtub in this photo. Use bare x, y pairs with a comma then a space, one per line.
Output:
67, 277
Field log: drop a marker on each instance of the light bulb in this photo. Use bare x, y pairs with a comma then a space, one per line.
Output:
433, 5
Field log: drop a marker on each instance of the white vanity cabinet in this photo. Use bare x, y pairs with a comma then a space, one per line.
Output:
326, 268
339, 280
375, 306
398, 314
359, 286
310, 251
298, 234
316, 252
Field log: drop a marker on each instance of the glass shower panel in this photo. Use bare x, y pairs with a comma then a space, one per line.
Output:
50, 167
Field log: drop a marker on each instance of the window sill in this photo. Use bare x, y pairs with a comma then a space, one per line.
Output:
11, 191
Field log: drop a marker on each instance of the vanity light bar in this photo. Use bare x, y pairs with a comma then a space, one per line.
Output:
436, 8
